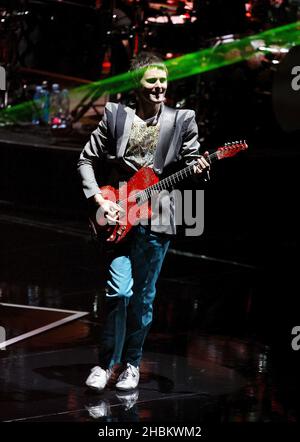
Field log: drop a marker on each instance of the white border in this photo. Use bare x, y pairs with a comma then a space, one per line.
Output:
74, 315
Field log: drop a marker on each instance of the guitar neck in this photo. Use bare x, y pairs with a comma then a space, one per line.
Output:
171, 180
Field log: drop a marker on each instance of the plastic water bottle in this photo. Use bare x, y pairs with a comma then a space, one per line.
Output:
55, 107
37, 105
65, 108
46, 102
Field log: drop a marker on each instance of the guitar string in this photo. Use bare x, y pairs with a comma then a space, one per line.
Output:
168, 181
187, 170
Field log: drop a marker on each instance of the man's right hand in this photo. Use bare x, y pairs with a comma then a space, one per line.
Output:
110, 210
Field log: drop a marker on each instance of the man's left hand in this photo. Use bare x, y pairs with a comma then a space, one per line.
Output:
202, 164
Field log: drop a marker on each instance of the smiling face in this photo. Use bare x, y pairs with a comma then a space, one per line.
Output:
153, 85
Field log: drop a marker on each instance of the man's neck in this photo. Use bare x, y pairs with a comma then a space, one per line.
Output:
147, 110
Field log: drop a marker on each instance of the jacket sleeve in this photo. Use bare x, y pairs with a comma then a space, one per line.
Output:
90, 155
190, 144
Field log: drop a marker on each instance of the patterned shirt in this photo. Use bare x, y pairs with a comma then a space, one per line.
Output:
142, 142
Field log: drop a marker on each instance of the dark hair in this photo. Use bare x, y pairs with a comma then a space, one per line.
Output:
141, 62
145, 59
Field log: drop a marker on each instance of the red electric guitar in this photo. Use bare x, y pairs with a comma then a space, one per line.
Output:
134, 195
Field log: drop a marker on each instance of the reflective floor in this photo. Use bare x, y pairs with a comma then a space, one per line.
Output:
206, 358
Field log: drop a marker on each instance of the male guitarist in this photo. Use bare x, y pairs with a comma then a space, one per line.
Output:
126, 140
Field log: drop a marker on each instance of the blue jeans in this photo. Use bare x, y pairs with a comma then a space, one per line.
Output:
133, 270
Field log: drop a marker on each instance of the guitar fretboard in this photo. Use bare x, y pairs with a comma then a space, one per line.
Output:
170, 181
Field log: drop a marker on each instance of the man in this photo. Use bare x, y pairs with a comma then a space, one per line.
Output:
127, 139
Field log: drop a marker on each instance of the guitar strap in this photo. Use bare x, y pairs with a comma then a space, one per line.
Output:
168, 128
120, 122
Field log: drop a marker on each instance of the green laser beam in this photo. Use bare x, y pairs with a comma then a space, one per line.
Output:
184, 66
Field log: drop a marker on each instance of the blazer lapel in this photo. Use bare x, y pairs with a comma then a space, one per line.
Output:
124, 120
167, 126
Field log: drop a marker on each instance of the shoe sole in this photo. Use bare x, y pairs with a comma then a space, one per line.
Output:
95, 388
126, 389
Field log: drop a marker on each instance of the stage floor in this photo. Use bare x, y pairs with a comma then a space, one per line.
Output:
202, 362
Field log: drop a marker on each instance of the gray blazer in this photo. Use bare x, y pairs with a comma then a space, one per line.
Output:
102, 159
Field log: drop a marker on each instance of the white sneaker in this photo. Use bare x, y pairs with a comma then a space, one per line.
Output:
128, 400
98, 378
129, 378
100, 410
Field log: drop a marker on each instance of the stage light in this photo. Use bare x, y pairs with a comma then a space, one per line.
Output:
224, 54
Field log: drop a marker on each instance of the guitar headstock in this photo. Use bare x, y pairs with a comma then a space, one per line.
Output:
231, 149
